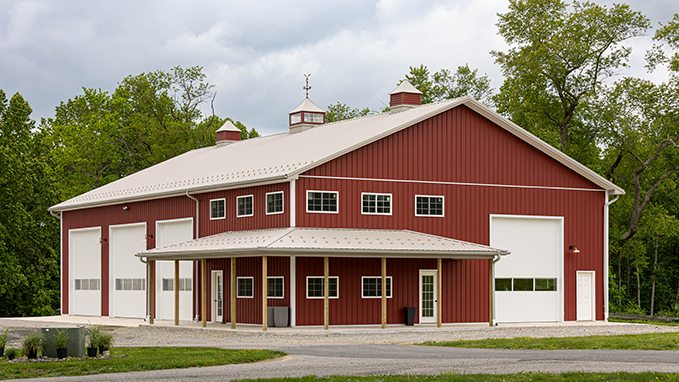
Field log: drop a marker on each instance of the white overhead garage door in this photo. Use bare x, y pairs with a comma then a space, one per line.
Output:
172, 232
85, 271
128, 276
528, 282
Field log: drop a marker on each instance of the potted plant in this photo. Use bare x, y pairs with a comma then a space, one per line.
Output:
33, 343
11, 354
93, 338
61, 343
3, 342
105, 342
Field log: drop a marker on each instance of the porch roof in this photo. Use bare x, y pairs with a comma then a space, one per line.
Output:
317, 242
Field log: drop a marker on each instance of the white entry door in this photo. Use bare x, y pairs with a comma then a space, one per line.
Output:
428, 302
585, 296
217, 296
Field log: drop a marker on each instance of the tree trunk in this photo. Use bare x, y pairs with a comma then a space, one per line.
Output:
620, 278
628, 272
655, 266
676, 300
638, 287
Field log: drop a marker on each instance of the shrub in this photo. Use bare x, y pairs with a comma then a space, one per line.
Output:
106, 339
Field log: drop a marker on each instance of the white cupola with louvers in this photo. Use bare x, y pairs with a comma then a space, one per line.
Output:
307, 114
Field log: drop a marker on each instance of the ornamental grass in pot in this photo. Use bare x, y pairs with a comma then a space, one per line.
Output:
32, 344
11, 354
105, 342
61, 343
3, 342
93, 338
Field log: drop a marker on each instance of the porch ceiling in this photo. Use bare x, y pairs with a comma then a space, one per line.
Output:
321, 242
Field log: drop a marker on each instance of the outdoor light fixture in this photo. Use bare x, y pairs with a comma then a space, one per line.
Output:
574, 248
125, 208
147, 237
102, 240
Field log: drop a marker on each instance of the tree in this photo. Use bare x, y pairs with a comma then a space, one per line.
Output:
29, 237
559, 58
444, 84
340, 111
668, 34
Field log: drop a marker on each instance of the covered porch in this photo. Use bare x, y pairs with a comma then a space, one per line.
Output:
326, 276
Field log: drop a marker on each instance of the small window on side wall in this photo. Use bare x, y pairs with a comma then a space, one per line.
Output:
274, 203
429, 206
217, 209
245, 287
376, 204
322, 201
274, 287
371, 287
244, 205
315, 287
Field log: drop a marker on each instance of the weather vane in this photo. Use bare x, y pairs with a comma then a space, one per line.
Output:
307, 87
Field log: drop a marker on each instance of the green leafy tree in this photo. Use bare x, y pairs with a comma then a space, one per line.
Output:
560, 54
340, 111
29, 237
445, 84
669, 35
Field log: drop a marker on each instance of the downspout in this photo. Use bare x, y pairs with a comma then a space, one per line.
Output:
496, 258
606, 249
195, 263
148, 288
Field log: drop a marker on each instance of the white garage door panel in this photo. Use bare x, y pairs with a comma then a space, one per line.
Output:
172, 232
125, 242
85, 264
536, 252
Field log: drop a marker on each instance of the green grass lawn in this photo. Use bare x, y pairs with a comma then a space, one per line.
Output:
522, 377
135, 359
656, 341
649, 322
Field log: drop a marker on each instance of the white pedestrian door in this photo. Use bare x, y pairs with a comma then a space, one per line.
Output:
585, 296
217, 296
428, 313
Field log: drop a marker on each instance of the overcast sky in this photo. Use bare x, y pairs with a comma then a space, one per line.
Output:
255, 52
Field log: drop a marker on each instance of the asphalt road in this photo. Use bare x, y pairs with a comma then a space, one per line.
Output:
352, 359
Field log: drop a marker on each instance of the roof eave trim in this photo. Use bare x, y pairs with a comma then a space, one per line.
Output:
174, 193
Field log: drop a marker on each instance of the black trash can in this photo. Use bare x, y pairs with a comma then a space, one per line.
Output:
409, 315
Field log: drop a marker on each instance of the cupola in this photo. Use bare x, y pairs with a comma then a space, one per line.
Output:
228, 133
307, 114
404, 97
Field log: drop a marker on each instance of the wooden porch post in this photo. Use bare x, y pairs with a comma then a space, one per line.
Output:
439, 277
203, 292
176, 292
265, 285
384, 293
233, 293
152, 291
326, 311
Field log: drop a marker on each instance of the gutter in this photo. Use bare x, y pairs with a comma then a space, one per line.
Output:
492, 289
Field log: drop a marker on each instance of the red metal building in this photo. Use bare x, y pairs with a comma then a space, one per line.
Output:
429, 200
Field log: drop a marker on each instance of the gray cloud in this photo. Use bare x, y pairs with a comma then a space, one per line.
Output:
254, 52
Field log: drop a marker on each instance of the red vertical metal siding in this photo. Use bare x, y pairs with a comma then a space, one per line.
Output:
463, 147
167, 209
249, 310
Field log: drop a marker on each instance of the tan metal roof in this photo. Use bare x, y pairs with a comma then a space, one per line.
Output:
279, 157
405, 87
335, 242
307, 105
228, 126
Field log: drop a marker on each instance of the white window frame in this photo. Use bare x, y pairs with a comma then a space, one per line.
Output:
322, 297
252, 279
443, 206
267, 287
266, 202
306, 202
253, 205
391, 283
391, 203
217, 200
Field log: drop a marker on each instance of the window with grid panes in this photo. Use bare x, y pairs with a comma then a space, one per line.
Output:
217, 209
245, 207
245, 287
372, 287
274, 203
274, 287
429, 206
379, 204
315, 287
319, 201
